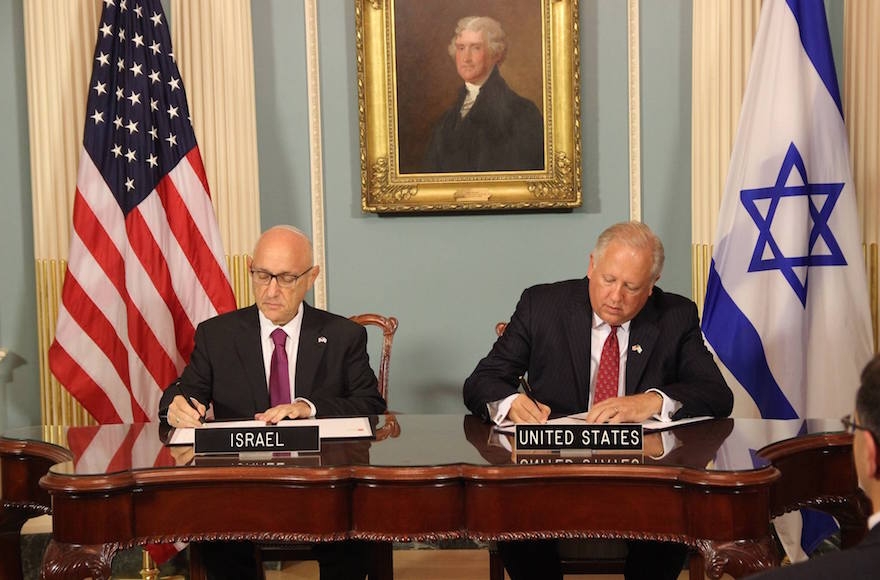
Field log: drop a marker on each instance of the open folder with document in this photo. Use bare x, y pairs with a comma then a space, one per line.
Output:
328, 428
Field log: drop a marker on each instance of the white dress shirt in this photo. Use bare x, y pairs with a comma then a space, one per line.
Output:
600, 330
472, 92
291, 347
598, 335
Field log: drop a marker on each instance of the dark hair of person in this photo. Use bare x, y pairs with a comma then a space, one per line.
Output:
868, 397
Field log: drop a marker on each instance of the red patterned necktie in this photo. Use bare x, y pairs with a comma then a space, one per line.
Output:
279, 372
608, 377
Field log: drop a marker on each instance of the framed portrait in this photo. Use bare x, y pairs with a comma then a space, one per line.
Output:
468, 105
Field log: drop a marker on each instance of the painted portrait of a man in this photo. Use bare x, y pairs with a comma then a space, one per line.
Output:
469, 86
489, 127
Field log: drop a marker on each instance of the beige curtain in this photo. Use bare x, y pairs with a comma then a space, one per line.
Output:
213, 43
723, 33
861, 92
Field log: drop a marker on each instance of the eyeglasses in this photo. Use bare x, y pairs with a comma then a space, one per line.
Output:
284, 279
851, 426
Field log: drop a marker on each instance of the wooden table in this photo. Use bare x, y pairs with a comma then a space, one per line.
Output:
426, 477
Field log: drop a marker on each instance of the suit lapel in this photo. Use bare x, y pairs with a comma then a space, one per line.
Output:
643, 333
250, 352
310, 352
873, 536
579, 324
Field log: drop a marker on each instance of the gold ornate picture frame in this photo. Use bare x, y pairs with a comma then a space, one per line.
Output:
408, 84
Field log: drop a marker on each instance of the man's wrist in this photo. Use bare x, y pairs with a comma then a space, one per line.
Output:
309, 407
668, 406
660, 400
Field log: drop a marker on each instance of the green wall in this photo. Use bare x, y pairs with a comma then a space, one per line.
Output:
19, 371
448, 278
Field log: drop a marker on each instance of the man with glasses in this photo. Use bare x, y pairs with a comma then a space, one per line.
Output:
863, 560
277, 359
329, 369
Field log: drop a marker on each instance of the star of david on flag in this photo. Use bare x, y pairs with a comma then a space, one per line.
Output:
786, 308
764, 213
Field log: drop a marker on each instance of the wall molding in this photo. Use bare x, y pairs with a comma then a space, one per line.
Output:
635, 111
316, 163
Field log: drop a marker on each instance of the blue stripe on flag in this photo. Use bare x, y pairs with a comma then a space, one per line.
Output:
738, 345
817, 527
813, 26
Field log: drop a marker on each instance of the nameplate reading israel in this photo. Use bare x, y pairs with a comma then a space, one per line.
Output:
251, 439
600, 436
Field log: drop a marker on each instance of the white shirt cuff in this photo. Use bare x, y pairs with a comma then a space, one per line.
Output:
313, 411
498, 410
670, 407
669, 441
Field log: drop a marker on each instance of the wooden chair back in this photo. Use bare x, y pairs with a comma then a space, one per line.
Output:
388, 324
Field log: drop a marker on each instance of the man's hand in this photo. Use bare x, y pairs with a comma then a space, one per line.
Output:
182, 414
652, 445
630, 409
525, 410
182, 454
297, 410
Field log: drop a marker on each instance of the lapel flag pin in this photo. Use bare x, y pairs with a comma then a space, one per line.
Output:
322, 339
637, 348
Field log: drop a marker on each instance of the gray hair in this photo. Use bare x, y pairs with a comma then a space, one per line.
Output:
496, 40
634, 234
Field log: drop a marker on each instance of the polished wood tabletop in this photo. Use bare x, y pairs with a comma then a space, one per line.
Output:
712, 485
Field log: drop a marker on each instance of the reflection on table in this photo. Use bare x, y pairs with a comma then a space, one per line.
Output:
712, 485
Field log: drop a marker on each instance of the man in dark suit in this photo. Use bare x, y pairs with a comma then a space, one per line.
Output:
861, 562
612, 331
489, 127
321, 356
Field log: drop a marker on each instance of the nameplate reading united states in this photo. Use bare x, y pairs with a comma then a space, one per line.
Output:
597, 437
250, 439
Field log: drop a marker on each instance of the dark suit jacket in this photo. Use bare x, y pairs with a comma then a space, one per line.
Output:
226, 366
861, 562
502, 132
549, 336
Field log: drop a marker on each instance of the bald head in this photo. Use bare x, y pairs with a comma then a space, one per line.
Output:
284, 235
282, 272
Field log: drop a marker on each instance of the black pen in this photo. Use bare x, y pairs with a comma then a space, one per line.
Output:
189, 401
527, 389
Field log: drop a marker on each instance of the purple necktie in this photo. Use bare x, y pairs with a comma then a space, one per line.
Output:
279, 373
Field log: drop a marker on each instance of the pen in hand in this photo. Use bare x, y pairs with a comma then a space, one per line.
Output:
521, 413
189, 401
527, 389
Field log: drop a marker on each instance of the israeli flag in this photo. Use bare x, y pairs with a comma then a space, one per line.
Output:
786, 307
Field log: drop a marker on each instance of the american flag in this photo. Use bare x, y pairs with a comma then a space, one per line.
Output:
146, 261
101, 449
